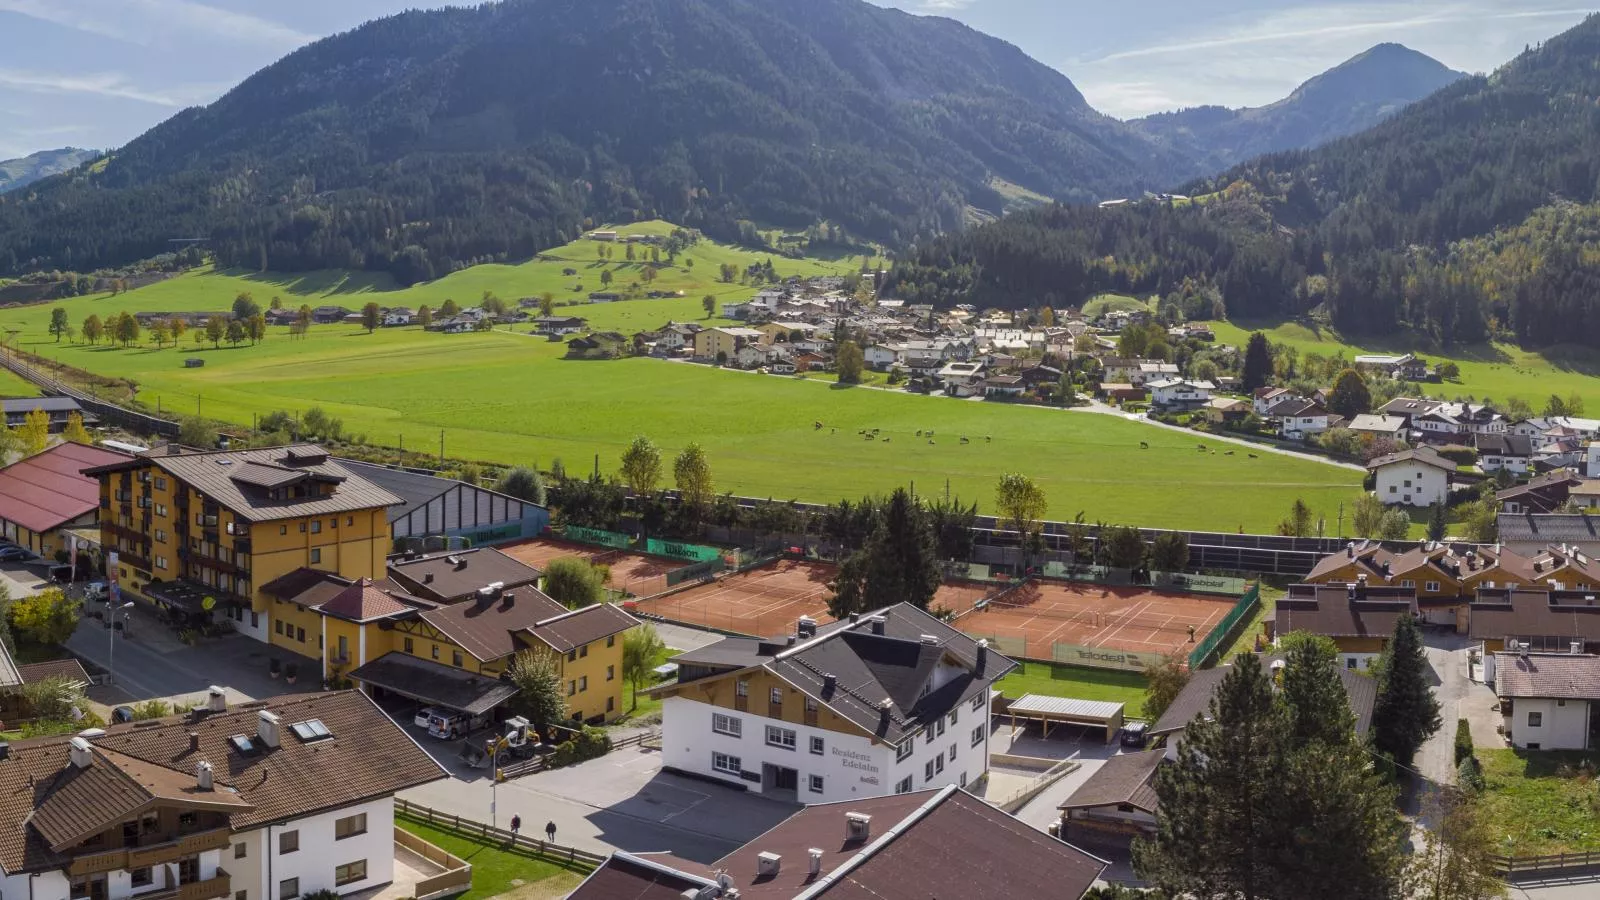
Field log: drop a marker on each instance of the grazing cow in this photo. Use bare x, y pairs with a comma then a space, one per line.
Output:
1144, 445
1252, 456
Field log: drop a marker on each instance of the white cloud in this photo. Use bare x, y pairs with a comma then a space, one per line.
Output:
1256, 60
108, 84
158, 22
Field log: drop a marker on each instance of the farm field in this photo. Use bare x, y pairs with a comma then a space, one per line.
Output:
1492, 371
508, 397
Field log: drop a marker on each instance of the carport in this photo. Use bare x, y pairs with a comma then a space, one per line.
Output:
1053, 711
433, 684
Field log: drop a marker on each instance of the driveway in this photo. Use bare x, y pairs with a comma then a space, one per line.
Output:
23, 579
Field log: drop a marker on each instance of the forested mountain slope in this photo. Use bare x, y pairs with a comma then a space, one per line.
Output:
17, 173
1344, 100
1383, 229
431, 140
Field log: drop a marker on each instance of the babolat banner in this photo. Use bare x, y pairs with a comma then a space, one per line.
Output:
681, 550
1103, 657
598, 536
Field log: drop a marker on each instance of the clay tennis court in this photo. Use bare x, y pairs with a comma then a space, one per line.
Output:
767, 601
1096, 615
637, 573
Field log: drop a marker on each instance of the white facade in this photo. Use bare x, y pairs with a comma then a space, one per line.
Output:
1411, 483
830, 765
320, 854
1177, 392
1545, 724
1494, 462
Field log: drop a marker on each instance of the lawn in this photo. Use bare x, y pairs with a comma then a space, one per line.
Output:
1078, 683
14, 386
647, 705
1488, 371
1245, 640
1104, 303
508, 397
497, 871
1541, 802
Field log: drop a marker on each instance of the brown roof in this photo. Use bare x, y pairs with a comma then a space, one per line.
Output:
1368, 555
364, 601
487, 628
367, 757
1425, 455
583, 626
332, 594
1554, 675
240, 480
32, 673
49, 489
626, 876
1499, 614
449, 577
1327, 609
1125, 778
1195, 698
946, 844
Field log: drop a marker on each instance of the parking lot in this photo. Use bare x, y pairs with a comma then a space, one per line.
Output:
24, 579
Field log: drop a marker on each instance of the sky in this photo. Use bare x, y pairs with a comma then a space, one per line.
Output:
97, 73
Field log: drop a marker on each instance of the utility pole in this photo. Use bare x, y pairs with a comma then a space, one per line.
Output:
1340, 532
441, 448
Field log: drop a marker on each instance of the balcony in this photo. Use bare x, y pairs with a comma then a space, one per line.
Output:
142, 563
162, 850
210, 889
242, 545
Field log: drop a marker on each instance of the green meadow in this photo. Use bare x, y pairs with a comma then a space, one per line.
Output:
506, 396
1495, 371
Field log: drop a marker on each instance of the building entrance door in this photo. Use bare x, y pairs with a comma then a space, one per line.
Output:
780, 781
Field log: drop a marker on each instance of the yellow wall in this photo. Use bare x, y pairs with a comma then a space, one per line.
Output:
710, 342
1571, 579
601, 696
1500, 577
722, 691
1360, 644
1346, 574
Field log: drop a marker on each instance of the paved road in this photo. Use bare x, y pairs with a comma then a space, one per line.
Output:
1585, 887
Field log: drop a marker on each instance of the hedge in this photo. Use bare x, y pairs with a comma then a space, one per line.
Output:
1463, 741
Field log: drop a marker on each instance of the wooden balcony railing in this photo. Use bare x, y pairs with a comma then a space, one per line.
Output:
155, 854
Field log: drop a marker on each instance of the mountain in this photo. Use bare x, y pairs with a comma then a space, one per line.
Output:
1344, 100
16, 173
1470, 214
428, 141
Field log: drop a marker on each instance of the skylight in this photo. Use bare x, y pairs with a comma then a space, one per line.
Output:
311, 730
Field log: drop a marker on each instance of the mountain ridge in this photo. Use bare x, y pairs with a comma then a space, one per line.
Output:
21, 172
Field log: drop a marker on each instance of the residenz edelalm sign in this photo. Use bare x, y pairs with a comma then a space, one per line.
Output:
859, 761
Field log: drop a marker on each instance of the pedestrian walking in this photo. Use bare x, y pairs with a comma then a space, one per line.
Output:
516, 826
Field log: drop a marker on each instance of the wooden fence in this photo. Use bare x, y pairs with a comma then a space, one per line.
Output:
457, 874
1514, 865
582, 860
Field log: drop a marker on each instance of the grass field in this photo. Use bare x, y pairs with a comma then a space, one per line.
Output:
496, 871
509, 398
13, 386
1078, 683
1493, 371
1105, 303
1540, 802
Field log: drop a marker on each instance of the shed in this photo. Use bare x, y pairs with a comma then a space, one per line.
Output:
1050, 711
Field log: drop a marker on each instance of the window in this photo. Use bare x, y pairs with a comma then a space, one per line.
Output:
161, 484
953, 717
929, 735
611, 641
1350, 662
977, 735
611, 704
240, 851
141, 877
904, 751
409, 645
1431, 586
333, 523
289, 842
952, 753
963, 779
775, 697
722, 762
1561, 703
455, 658
288, 889
300, 635
583, 652
939, 727
350, 873
572, 656
302, 528
316, 526
161, 510
927, 771
741, 688
817, 746
938, 763
977, 702
816, 784
277, 625
1535, 720
583, 683
780, 737
1408, 482
350, 521
187, 819
316, 555
611, 673
161, 536
161, 562
731, 726
572, 688
903, 786
435, 651
350, 826
283, 529
1408, 583
241, 895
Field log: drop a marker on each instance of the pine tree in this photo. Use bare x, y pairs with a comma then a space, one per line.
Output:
1437, 526
1406, 712
1257, 362
901, 562
1221, 802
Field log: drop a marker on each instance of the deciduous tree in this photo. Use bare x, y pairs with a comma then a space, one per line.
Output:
58, 322
1123, 546
523, 483
47, 618
216, 330
709, 304
1169, 552
1021, 503
640, 647
424, 316
641, 467
92, 329
75, 432
540, 697
34, 432
371, 316
1350, 396
574, 583
849, 362
691, 472
1164, 680
1455, 861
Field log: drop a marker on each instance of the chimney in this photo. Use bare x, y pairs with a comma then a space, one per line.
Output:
203, 775
216, 699
983, 657
427, 578
460, 564
485, 597
816, 862
830, 683
877, 624
194, 742
884, 708
1576, 647
267, 728
855, 617
767, 864
79, 751
508, 600
857, 826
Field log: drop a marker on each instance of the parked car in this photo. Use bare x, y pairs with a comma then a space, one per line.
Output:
97, 591
448, 725
14, 554
1135, 734
423, 716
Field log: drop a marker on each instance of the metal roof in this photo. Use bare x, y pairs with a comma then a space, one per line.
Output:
1044, 707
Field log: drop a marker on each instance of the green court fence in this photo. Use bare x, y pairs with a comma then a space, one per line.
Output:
1205, 652
696, 572
598, 536
1176, 581
696, 553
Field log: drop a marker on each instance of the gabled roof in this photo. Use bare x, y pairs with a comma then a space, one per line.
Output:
1369, 422
1425, 455
454, 576
487, 628
1126, 778
364, 601
1525, 612
1331, 611
1195, 698
1558, 676
1513, 445
49, 489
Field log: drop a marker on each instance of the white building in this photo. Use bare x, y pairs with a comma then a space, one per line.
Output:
269, 802
1178, 393
1300, 420
1417, 477
1547, 700
893, 702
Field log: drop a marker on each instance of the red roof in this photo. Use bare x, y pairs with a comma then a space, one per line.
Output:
362, 602
48, 489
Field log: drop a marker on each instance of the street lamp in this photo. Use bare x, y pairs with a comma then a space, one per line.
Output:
111, 639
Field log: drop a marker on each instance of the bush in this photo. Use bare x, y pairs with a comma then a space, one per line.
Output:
591, 743
1463, 741
149, 709
1461, 456
1469, 775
